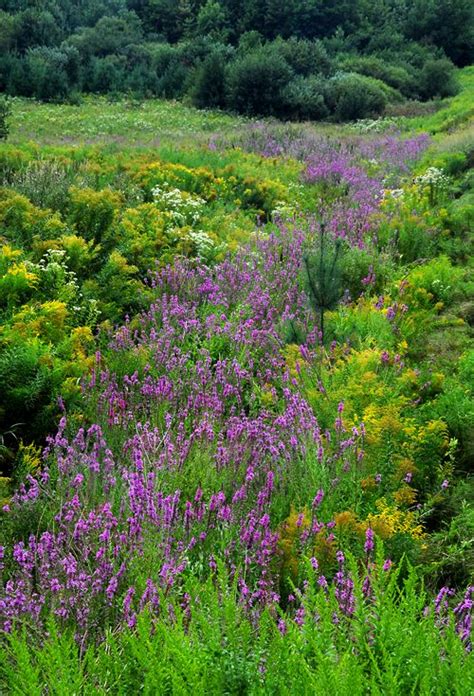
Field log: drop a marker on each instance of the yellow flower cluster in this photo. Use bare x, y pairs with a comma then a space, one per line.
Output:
390, 520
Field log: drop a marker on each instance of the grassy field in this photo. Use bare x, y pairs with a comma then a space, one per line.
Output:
126, 122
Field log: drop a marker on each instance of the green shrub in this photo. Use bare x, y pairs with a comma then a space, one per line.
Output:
21, 221
305, 57
461, 217
452, 163
353, 96
29, 379
305, 98
396, 76
438, 79
209, 88
364, 271
93, 212
256, 82
47, 70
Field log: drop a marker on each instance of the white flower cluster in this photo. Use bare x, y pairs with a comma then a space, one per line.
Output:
202, 242
435, 182
378, 125
53, 266
282, 211
182, 207
433, 177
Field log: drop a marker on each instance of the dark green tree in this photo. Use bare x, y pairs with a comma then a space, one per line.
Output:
448, 24
322, 274
209, 88
256, 82
212, 21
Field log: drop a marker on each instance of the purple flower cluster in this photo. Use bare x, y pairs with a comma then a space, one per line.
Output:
127, 491
351, 172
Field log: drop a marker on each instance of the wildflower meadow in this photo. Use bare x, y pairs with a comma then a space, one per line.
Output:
236, 402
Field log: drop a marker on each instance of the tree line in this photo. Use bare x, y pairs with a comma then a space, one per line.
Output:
339, 59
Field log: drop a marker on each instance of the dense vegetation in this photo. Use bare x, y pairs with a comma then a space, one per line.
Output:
293, 59
236, 399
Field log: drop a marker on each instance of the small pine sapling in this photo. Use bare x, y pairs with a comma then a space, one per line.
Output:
323, 275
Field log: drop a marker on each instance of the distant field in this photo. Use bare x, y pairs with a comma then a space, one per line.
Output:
97, 120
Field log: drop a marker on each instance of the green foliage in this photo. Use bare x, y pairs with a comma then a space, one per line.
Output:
30, 380
157, 47
395, 646
93, 212
450, 554
305, 98
212, 21
438, 278
364, 271
353, 96
5, 114
323, 274
447, 23
396, 76
305, 57
256, 82
209, 88
437, 79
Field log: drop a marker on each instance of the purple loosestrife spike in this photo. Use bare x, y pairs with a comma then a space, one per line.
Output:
318, 498
369, 541
463, 613
299, 616
322, 582
441, 602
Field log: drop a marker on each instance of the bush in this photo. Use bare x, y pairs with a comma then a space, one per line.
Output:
395, 76
48, 73
209, 85
212, 21
93, 212
437, 79
256, 82
29, 379
305, 57
172, 83
355, 96
439, 278
364, 271
304, 98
